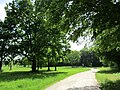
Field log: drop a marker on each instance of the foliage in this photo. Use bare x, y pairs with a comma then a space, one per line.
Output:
6, 44
44, 25
107, 47
84, 57
89, 58
37, 34
100, 18
110, 85
25, 62
73, 58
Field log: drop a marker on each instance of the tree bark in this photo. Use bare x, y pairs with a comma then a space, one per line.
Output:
48, 65
0, 65
55, 68
10, 65
118, 65
34, 65
40, 66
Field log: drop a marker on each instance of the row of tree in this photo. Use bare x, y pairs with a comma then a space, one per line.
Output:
38, 29
84, 57
98, 18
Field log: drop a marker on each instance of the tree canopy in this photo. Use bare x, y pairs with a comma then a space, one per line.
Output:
41, 28
36, 33
100, 18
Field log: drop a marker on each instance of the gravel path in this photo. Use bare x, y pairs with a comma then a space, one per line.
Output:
81, 81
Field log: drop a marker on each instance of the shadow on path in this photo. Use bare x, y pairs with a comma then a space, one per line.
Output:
85, 88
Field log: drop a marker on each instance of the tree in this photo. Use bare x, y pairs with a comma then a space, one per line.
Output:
88, 58
107, 47
25, 62
36, 29
56, 35
73, 58
85, 59
29, 29
98, 17
26, 26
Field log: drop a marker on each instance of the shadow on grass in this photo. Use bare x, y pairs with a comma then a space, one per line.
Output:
111, 71
111, 85
12, 76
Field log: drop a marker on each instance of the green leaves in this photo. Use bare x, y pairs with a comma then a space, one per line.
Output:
37, 30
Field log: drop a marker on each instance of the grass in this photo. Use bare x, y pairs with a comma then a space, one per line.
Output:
22, 79
109, 79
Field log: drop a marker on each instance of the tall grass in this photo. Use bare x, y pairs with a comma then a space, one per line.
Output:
22, 79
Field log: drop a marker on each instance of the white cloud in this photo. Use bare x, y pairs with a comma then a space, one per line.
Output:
5, 1
2, 12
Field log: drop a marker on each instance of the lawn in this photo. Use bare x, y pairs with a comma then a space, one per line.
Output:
22, 79
109, 79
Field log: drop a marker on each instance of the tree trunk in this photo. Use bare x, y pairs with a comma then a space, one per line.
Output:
24, 65
48, 65
0, 65
55, 68
34, 65
40, 66
118, 65
10, 65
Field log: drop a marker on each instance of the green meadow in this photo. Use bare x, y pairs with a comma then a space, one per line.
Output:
108, 78
21, 78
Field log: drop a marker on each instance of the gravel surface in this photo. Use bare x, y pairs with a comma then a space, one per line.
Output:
81, 81
85, 88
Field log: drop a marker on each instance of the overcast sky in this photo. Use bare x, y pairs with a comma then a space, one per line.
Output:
74, 46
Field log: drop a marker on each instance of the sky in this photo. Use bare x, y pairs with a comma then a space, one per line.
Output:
74, 46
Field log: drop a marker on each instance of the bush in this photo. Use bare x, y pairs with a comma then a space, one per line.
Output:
111, 85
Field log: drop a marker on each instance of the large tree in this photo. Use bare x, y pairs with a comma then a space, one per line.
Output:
20, 16
36, 29
98, 17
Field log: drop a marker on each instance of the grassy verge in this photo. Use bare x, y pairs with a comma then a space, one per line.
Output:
109, 79
22, 79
